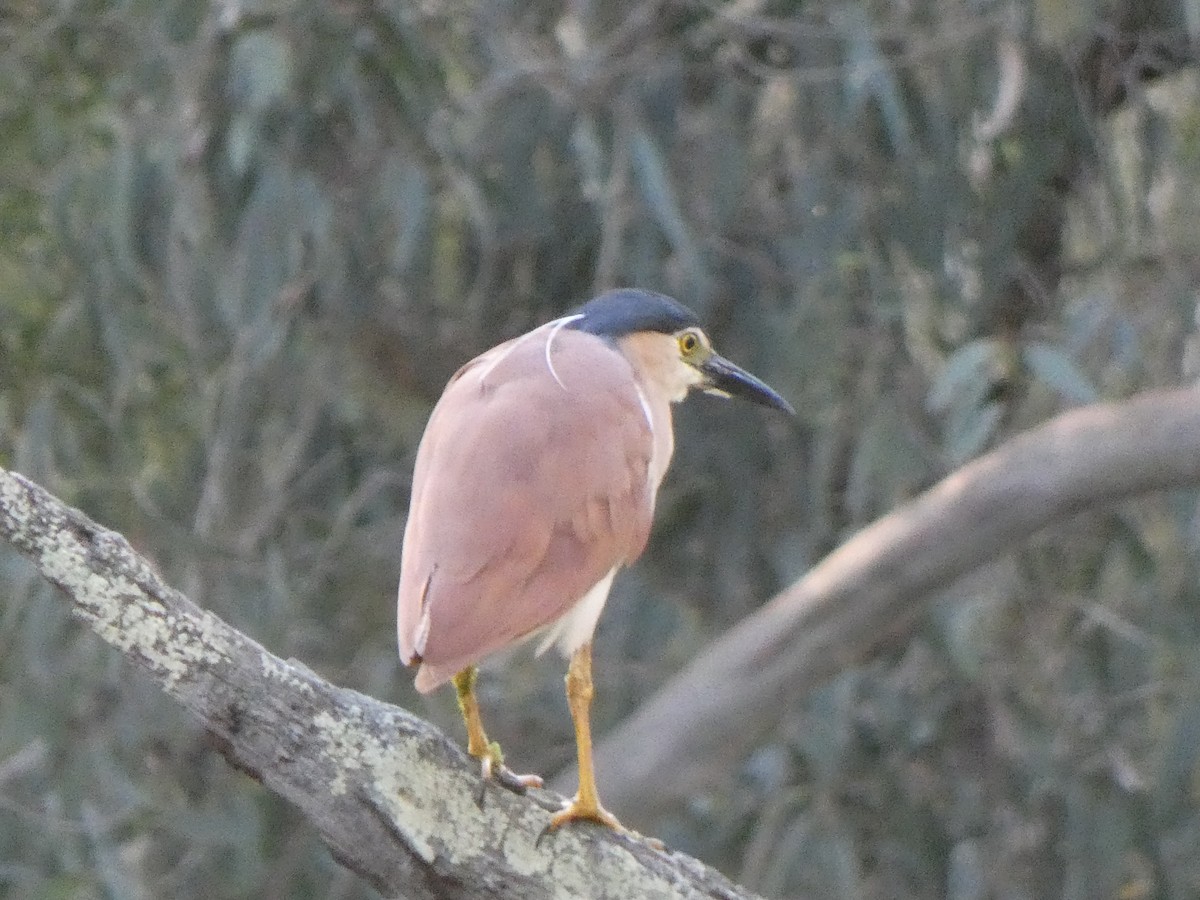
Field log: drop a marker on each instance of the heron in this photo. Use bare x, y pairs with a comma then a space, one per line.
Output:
534, 483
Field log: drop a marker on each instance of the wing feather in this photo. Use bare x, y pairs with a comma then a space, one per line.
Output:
531, 485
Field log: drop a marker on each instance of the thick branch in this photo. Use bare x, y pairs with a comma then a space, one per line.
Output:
391, 796
876, 587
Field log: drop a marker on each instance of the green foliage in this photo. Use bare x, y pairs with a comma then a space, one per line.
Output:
243, 246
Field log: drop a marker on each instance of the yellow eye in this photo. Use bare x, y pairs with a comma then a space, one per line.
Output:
689, 343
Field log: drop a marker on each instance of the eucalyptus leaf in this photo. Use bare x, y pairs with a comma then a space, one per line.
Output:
1053, 367
1099, 839
966, 878
869, 75
969, 431
1179, 763
261, 70
967, 370
653, 176
589, 157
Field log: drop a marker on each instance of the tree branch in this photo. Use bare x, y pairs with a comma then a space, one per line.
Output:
391, 796
877, 586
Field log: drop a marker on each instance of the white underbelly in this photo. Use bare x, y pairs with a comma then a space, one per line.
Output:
576, 627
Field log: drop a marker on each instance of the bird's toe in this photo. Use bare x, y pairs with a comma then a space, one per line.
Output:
575, 811
492, 768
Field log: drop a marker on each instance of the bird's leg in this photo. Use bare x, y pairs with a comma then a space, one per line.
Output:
478, 744
586, 804
464, 686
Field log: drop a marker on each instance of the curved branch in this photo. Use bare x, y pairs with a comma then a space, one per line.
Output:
391, 796
876, 587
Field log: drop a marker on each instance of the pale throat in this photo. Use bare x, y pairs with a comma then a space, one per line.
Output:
662, 379
656, 364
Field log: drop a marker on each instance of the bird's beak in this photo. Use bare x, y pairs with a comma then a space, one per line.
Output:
727, 380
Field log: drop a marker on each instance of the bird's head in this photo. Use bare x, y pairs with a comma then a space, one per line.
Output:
668, 348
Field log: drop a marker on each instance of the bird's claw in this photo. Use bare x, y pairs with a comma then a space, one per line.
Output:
497, 771
493, 769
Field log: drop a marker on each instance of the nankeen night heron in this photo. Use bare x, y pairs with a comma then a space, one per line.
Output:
535, 482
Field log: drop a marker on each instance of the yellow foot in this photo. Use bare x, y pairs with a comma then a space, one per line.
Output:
592, 812
573, 811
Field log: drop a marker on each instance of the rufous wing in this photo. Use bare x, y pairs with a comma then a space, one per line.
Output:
532, 483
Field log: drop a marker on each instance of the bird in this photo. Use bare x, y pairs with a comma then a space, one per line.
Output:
535, 482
